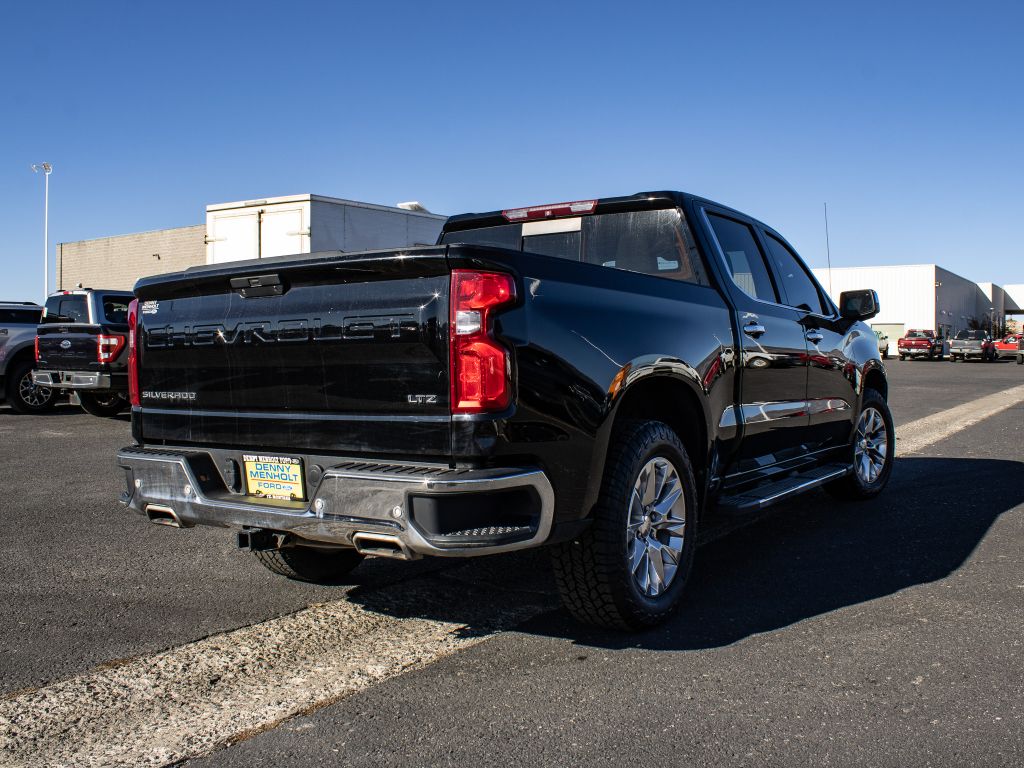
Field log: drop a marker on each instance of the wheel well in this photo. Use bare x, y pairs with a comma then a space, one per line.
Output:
23, 355
875, 380
675, 404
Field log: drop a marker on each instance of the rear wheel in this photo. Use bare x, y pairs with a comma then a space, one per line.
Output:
1020, 359
871, 453
105, 404
318, 566
24, 396
629, 568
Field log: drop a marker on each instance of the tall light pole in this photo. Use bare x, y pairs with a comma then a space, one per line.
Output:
47, 169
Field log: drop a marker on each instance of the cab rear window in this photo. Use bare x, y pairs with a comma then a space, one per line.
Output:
66, 309
655, 242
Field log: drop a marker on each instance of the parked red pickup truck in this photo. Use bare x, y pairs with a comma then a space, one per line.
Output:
920, 344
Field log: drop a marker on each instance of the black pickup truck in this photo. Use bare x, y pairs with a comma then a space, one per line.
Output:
82, 346
601, 376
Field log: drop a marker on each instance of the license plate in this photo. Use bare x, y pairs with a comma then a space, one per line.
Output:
274, 477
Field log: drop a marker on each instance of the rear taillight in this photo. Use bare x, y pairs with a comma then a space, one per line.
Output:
37, 349
480, 366
133, 353
108, 347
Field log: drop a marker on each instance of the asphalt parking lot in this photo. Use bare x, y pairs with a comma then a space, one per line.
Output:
888, 633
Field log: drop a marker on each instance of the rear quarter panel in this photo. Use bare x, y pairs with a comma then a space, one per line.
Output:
583, 336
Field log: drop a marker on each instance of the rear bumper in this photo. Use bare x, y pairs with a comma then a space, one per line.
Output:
915, 351
74, 379
354, 500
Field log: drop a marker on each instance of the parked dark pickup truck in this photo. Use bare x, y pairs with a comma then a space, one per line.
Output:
601, 376
82, 346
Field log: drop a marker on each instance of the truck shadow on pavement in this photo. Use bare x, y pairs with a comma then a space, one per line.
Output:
809, 557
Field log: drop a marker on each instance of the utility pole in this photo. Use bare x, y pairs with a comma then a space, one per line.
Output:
47, 169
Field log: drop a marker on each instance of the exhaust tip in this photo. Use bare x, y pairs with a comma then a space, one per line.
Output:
161, 515
382, 545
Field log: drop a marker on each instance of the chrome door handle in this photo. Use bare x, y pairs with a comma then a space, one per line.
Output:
753, 330
814, 337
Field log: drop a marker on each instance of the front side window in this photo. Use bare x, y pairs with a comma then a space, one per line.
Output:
743, 257
795, 284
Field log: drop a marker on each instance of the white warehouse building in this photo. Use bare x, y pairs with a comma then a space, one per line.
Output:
925, 296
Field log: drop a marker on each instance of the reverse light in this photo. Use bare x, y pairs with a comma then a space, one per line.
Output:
108, 347
133, 353
480, 366
550, 211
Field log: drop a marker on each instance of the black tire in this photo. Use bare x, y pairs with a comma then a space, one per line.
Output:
1020, 359
903, 357
854, 486
24, 396
594, 573
317, 566
885, 355
105, 404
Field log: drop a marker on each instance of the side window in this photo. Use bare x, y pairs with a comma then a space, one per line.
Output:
796, 285
743, 257
115, 309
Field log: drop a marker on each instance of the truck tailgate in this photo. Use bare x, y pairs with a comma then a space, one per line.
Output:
333, 353
69, 347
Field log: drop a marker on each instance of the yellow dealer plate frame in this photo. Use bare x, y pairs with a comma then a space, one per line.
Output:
274, 477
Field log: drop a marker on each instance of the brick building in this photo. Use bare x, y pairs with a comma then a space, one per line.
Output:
117, 262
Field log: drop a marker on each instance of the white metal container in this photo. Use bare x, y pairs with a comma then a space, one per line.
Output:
282, 226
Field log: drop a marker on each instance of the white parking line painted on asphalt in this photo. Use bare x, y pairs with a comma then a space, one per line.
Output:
918, 435
189, 700
192, 699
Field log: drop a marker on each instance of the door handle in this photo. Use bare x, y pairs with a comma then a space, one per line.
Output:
814, 337
753, 330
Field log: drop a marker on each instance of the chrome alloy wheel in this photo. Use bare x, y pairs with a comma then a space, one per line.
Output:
656, 527
32, 394
871, 446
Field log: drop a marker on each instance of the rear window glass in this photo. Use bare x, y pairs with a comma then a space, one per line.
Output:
655, 242
971, 336
66, 309
20, 316
115, 309
506, 236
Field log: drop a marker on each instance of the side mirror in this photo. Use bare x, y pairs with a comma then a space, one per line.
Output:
858, 305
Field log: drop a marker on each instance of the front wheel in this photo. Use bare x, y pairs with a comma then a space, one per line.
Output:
106, 404
23, 395
871, 453
1020, 359
629, 568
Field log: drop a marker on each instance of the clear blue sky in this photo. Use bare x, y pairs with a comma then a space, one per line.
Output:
908, 118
